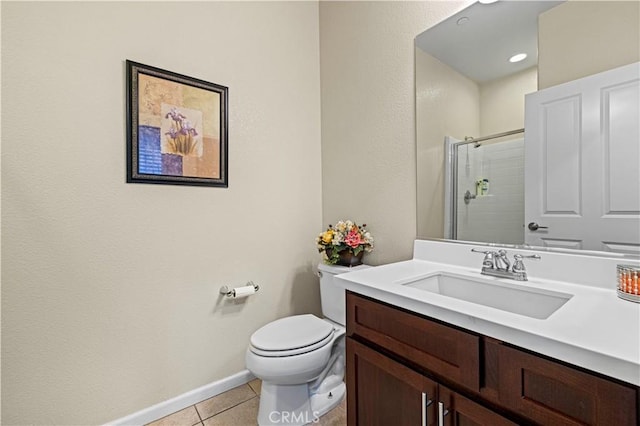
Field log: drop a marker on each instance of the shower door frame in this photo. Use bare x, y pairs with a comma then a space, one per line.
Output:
450, 186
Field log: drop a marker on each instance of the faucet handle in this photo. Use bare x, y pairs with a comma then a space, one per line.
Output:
518, 264
482, 251
489, 260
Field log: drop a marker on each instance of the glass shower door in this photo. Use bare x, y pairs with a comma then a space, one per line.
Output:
489, 191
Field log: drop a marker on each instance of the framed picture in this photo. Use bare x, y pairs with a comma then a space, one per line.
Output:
177, 128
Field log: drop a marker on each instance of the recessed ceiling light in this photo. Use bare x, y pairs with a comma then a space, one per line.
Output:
487, 1
462, 20
517, 58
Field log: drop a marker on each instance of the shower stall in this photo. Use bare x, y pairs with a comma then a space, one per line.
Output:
484, 188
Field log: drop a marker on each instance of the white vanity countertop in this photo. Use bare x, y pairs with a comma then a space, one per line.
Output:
595, 329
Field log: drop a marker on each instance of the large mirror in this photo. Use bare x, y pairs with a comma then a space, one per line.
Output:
470, 106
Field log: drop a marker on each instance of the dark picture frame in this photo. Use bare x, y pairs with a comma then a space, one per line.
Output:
177, 128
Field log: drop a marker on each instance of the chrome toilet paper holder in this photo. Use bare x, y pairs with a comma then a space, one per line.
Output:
231, 292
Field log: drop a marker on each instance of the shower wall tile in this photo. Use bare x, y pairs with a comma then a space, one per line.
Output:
498, 217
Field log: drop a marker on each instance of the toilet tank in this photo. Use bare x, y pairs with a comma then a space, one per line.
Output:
332, 295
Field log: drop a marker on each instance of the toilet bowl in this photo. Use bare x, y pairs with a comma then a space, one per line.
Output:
300, 359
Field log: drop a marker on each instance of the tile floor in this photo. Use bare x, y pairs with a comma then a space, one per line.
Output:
236, 407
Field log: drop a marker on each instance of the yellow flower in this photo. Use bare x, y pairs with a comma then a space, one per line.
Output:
327, 236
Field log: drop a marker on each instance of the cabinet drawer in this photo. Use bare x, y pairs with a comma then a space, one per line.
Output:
548, 392
449, 353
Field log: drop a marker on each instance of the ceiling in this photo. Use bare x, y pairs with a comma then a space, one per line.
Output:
479, 40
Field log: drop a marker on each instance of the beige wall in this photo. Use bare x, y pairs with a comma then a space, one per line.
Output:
368, 116
580, 38
110, 290
502, 102
447, 104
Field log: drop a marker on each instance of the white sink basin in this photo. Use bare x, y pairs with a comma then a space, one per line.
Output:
506, 296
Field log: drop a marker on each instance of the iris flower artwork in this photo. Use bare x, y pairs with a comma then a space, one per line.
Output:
177, 128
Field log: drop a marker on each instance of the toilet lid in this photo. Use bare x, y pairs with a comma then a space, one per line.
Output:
293, 332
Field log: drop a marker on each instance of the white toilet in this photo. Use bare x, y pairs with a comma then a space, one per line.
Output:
300, 359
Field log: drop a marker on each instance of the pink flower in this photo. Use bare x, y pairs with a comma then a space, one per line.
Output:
353, 239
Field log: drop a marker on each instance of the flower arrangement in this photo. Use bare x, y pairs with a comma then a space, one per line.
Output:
344, 241
181, 136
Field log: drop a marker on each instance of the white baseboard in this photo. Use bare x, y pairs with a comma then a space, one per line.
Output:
185, 400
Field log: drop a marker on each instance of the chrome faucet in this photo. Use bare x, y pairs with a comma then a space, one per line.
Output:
497, 264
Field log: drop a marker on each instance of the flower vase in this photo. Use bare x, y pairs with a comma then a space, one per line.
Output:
347, 258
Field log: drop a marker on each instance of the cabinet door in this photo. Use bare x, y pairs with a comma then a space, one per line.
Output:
381, 391
455, 410
553, 394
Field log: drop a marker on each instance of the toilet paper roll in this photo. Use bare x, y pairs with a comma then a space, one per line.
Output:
240, 292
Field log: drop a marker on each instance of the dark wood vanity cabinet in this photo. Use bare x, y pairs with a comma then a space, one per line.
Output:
406, 369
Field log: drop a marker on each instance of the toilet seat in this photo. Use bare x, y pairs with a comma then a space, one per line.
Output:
291, 336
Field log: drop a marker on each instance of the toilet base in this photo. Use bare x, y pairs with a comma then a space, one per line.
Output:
322, 403
293, 405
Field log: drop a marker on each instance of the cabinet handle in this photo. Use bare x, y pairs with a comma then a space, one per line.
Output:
441, 413
426, 402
